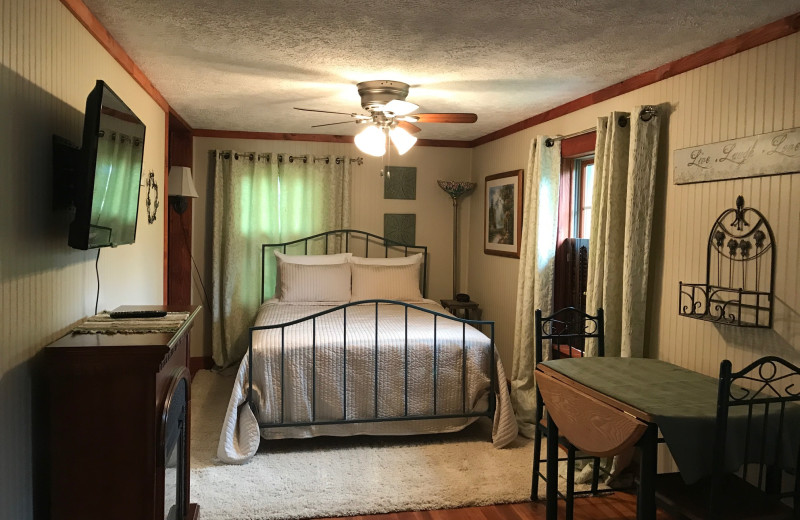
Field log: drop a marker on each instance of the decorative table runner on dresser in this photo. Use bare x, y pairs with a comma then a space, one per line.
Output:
103, 324
683, 404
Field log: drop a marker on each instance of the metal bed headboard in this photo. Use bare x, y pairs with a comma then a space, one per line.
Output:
331, 242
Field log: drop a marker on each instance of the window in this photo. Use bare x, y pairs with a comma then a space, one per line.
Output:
576, 185
582, 185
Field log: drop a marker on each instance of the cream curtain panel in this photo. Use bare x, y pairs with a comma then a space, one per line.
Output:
622, 221
258, 199
535, 275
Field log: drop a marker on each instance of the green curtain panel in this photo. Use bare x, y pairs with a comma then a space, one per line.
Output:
258, 199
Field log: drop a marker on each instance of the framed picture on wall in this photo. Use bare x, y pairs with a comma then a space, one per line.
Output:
502, 226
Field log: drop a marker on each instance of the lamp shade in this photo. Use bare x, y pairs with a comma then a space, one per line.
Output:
402, 140
371, 141
457, 188
181, 183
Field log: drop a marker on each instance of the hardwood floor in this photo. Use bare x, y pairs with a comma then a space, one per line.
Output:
616, 506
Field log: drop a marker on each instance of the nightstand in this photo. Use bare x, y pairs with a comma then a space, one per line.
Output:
469, 310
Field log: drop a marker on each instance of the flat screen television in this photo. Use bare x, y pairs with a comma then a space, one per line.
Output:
106, 173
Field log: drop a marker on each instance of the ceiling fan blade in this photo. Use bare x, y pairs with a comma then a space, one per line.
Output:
329, 124
445, 118
408, 127
325, 111
400, 107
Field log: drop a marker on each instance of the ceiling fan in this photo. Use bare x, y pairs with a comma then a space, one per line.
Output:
389, 115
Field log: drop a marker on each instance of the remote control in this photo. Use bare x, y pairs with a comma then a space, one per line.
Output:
121, 315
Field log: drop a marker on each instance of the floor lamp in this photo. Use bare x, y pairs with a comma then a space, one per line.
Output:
456, 189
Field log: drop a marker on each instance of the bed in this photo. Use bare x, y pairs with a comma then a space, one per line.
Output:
349, 345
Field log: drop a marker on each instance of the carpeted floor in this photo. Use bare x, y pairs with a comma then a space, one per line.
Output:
331, 476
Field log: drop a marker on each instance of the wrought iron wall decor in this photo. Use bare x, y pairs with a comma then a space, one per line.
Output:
151, 203
740, 267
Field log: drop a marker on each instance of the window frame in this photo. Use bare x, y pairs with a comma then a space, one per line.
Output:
574, 148
579, 166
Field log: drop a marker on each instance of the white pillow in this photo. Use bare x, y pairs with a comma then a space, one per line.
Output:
386, 282
400, 260
315, 283
281, 259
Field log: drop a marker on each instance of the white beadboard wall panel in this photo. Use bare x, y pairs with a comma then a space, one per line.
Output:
749, 93
49, 66
432, 206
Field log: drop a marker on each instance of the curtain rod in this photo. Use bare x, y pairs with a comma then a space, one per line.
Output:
645, 114
290, 158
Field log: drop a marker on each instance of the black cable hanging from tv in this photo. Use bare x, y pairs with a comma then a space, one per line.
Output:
199, 278
97, 272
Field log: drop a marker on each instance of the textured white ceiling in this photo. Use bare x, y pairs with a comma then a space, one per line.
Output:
243, 64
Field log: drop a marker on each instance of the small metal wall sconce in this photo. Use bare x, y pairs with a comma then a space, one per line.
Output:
181, 187
151, 202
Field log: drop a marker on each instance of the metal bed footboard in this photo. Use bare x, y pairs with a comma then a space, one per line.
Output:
406, 416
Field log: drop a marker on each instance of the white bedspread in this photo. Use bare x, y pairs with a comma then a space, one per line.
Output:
324, 399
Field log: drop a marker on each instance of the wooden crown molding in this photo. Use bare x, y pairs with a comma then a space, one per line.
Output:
181, 120
759, 36
101, 34
318, 138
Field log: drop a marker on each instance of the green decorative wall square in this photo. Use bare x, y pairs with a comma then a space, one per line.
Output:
400, 182
400, 227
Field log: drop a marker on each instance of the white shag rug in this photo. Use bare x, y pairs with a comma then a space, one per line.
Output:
333, 476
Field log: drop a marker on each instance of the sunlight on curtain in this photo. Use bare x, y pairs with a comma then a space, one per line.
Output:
535, 273
260, 199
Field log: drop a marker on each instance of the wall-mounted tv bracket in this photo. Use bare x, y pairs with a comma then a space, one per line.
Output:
66, 157
740, 271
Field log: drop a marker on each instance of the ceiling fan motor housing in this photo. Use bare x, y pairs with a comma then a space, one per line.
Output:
375, 94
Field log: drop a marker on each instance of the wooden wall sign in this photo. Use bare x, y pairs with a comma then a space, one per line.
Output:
755, 156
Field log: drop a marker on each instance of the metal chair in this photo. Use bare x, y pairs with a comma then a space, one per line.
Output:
564, 333
757, 429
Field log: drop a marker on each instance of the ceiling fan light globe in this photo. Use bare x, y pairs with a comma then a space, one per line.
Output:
371, 141
402, 140
400, 107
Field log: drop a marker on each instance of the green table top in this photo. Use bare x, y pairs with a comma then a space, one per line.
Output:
683, 404
650, 385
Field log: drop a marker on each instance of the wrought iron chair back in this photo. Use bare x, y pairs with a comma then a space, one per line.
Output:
565, 333
769, 390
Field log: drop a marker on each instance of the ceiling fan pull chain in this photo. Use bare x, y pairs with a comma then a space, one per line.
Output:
388, 156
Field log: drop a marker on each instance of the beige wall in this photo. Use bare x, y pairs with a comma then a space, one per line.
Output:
49, 66
432, 206
749, 93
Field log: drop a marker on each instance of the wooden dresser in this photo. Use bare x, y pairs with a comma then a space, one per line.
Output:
106, 396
